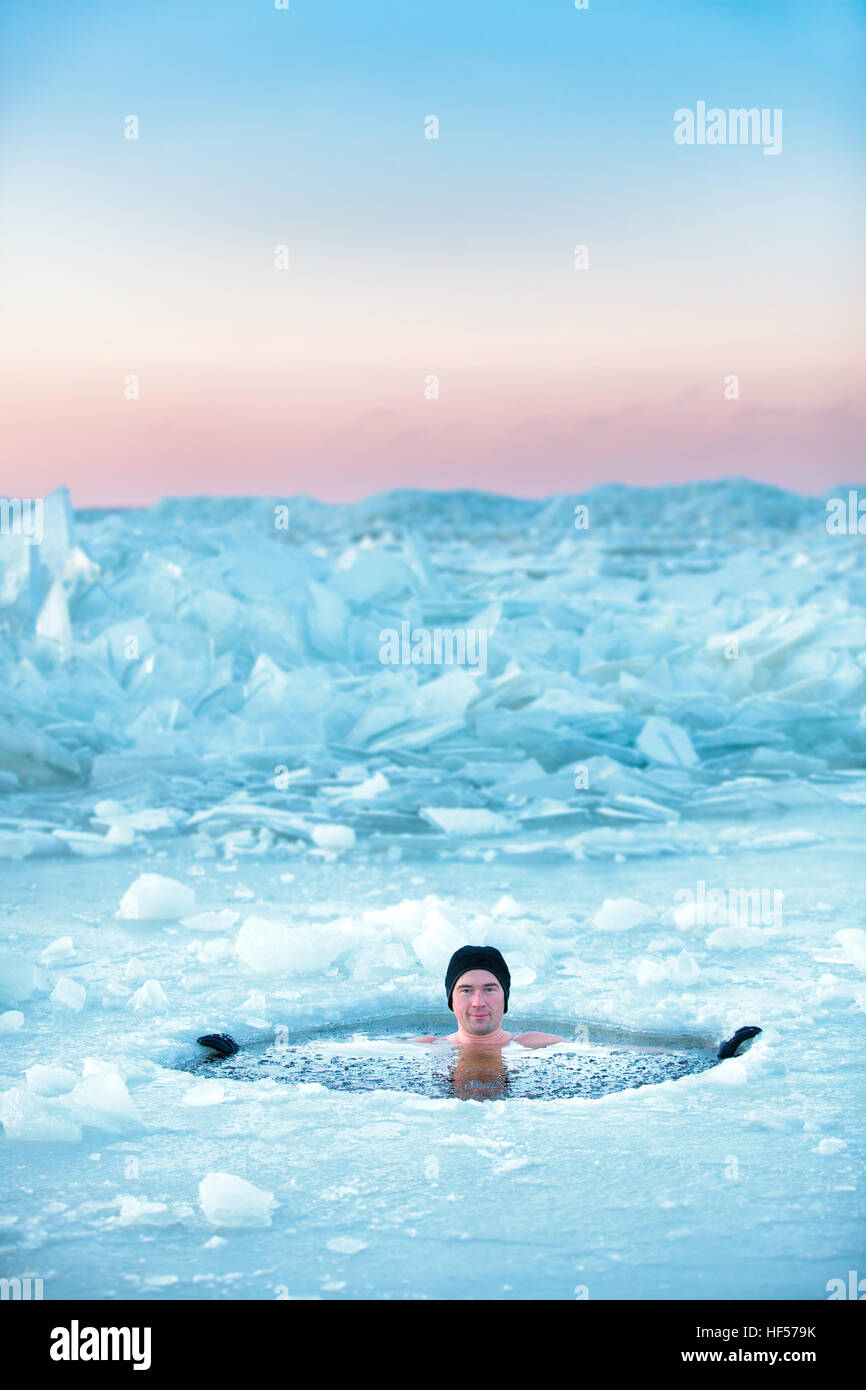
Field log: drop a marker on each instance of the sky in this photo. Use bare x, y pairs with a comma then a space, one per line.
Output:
431, 328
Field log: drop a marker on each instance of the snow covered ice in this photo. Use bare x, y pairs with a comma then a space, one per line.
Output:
222, 811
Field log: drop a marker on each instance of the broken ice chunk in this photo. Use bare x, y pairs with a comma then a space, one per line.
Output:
345, 1245
135, 971
68, 994
153, 898
459, 821
507, 907
681, 970
205, 1093
662, 741
101, 1100
58, 527
216, 949
35, 1118
436, 944
50, 1081
363, 791
211, 921
363, 575
53, 625
853, 943
327, 618
17, 977
136, 1211
621, 914
267, 946
61, 949
121, 833
151, 995
83, 842
830, 1145
334, 837
228, 1200
523, 975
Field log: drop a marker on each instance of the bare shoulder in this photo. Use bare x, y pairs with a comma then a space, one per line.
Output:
537, 1039
431, 1037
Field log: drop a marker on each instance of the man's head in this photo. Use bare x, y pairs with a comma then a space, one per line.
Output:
477, 984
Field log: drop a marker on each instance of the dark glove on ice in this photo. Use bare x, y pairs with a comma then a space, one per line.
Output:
219, 1042
728, 1048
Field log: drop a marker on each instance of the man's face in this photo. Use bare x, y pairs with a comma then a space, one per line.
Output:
478, 1001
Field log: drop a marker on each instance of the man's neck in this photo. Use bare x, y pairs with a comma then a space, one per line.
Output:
497, 1039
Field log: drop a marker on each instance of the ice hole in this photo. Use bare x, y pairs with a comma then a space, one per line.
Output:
382, 1055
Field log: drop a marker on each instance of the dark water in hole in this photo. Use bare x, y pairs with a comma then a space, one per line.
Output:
379, 1055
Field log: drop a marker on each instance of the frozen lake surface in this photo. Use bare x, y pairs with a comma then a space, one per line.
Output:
222, 812
742, 1180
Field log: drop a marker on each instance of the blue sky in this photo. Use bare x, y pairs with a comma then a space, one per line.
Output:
260, 127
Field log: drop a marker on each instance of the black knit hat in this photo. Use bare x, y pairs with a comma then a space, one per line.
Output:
477, 958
